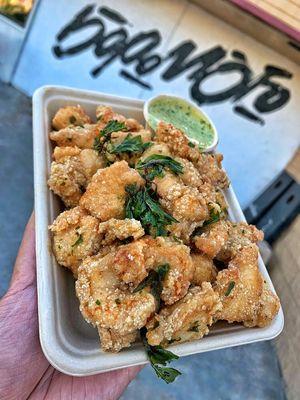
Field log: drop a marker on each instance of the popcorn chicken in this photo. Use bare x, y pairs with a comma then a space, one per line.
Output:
75, 236
208, 165
106, 303
106, 114
213, 238
82, 136
132, 263
71, 171
240, 235
105, 195
70, 115
118, 229
205, 270
188, 319
243, 293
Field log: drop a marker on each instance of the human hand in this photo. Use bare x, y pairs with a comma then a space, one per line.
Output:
25, 373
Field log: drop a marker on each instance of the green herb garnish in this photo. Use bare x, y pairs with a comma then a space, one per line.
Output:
72, 119
155, 165
131, 144
105, 134
154, 279
214, 216
159, 358
79, 240
98, 302
142, 204
194, 327
230, 287
191, 144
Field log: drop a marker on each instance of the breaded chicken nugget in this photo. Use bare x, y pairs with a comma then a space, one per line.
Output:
133, 262
183, 202
70, 115
75, 236
208, 165
210, 169
120, 229
71, 171
243, 293
213, 238
205, 270
106, 114
240, 235
82, 136
106, 303
188, 319
105, 196
176, 140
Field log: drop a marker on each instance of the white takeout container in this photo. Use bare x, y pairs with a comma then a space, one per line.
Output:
68, 342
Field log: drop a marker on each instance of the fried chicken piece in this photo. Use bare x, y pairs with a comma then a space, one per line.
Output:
177, 141
183, 202
105, 114
120, 229
82, 136
71, 171
75, 236
106, 302
213, 238
156, 148
269, 305
188, 319
70, 115
240, 235
120, 136
205, 270
105, 195
208, 165
132, 263
210, 168
113, 341
243, 293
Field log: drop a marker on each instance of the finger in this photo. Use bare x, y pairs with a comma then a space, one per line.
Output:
24, 269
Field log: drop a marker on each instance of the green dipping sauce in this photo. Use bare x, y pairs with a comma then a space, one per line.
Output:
184, 117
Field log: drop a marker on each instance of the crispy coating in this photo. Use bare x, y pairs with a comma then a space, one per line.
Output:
113, 341
177, 141
105, 114
105, 302
70, 115
105, 195
243, 293
210, 168
120, 229
156, 148
133, 262
213, 238
240, 235
71, 171
81, 136
75, 236
205, 270
188, 319
118, 137
183, 202
208, 165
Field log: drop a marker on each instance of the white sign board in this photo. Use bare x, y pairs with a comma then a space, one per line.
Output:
138, 49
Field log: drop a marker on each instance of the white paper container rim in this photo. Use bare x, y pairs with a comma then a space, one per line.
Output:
63, 339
